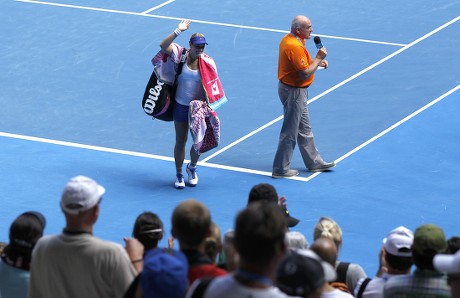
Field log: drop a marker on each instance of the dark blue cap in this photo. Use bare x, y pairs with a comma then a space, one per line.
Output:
198, 40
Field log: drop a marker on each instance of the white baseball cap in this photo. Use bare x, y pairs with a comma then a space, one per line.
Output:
80, 194
399, 241
447, 263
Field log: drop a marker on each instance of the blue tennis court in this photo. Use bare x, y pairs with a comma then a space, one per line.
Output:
73, 73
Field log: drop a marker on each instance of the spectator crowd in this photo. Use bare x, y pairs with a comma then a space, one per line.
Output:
259, 257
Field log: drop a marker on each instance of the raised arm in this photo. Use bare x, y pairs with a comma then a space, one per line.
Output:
166, 43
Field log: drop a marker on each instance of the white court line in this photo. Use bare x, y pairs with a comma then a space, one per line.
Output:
139, 154
360, 40
242, 139
340, 84
83, 146
399, 123
204, 163
158, 6
125, 152
306, 179
386, 58
144, 14
223, 167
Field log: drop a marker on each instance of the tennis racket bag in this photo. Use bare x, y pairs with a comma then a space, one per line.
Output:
158, 100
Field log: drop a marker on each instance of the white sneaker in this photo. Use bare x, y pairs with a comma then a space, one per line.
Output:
180, 183
192, 176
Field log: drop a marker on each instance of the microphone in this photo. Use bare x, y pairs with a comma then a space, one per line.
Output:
318, 43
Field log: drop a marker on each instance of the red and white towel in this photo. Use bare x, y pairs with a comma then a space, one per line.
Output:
215, 95
204, 126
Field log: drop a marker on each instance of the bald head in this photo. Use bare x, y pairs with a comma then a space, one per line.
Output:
326, 249
301, 27
299, 22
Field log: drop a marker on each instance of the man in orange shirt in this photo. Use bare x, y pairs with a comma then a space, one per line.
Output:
295, 73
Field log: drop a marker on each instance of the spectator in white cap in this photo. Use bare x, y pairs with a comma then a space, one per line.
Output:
424, 281
395, 259
450, 264
75, 263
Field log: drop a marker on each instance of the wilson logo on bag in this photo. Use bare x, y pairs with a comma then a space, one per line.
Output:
157, 99
150, 102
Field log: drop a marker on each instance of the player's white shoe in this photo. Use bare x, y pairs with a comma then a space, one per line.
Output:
180, 183
192, 176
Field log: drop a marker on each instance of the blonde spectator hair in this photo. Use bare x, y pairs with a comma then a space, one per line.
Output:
327, 228
213, 243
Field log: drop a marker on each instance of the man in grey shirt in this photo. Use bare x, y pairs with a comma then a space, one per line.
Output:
76, 264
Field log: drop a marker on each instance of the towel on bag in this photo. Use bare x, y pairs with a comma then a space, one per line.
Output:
166, 66
204, 126
215, 95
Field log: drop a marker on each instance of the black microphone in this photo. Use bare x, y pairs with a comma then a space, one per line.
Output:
318, 43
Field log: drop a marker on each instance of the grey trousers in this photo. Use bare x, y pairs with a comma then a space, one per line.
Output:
296, 129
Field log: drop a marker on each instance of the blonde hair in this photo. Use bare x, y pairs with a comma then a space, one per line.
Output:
213, 243
327, 228
197, 34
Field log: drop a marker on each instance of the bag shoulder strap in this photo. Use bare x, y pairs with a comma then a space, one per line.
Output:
181, 64
342, 272
201, 287
363, 287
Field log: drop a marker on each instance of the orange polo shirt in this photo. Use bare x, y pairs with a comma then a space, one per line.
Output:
293, 57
